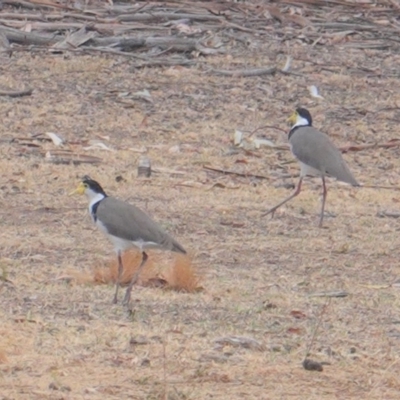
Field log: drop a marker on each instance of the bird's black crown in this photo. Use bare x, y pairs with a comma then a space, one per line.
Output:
304, 113
93, 185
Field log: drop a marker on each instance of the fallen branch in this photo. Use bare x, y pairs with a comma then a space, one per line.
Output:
339, 293
69, 157
171, 43
267, 127
27, 38
90, 49
163, 63
16, 93
166, 16
380, 187
388, 214
227, 172
244, 72
388, 145
125, 43
34, 5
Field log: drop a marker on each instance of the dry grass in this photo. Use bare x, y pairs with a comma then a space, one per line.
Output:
175, 272
62, 339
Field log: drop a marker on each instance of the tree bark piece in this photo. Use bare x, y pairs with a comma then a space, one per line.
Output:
75, 40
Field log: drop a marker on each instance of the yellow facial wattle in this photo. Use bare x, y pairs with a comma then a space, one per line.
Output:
79, 190
293, 118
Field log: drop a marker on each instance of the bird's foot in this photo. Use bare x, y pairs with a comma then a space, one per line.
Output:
271, 211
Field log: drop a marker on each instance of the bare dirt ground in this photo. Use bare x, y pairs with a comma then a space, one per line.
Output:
60, 339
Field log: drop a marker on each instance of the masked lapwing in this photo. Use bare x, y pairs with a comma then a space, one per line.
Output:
126, 226
317, 156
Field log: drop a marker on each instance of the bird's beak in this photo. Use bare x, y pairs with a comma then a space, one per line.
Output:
79, 190
293, 118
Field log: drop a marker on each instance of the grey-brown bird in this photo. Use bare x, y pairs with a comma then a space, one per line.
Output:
126, 226
317, 156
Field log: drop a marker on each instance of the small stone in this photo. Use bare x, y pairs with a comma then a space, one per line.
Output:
311, 365
145, 362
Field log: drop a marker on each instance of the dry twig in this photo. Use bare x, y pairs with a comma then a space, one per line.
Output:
244, 72
16, 93
227, 172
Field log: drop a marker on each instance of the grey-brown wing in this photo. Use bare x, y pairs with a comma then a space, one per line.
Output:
315, 149
128, 222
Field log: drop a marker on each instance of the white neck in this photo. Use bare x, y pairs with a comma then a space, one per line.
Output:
93, 199
300, 121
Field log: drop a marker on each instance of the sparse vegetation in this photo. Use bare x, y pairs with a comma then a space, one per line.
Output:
252, 278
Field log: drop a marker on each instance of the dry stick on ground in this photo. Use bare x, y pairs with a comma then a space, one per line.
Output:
334, 293
388, 214
163, 63
268, 127
130, 43
252, 72
145, 17
387, 145
380, 187
33, 6
88, 50
17, 36
244, 72
227, 172
16, 93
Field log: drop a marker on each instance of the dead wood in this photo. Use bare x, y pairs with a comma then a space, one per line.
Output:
38, 4
388, 214
75, 40
21, 3
228, 172
334, 293
145, 17
16, 93
388, 145
380, 187
178, 44
167, 62
245, 72
123, 43
70, 157
29, 38
187, 26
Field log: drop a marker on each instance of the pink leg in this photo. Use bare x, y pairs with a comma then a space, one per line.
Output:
118, 283
134, 279
324, 193
294, 194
